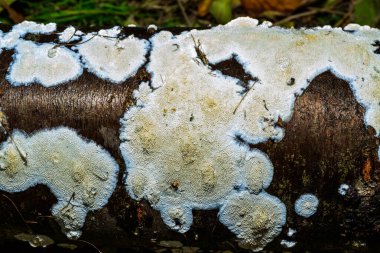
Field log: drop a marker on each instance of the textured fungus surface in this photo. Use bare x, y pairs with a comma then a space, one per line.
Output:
44, 64
198, 137
306, 205
256, 219
110, 57
186, 141
79, 173
103, 53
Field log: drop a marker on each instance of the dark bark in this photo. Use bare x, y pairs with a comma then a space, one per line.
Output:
326, 144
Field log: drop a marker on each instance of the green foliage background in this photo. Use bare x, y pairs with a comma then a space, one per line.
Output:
169, 13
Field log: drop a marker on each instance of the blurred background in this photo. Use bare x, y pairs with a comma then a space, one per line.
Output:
191, 13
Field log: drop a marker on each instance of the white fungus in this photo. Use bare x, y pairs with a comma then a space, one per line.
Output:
291, 232
12, 38
343, 188
50, 64
69, 34
306, 205
109, 57
152, 27
44, 64
179, 141
81, 174
256, 219
288, 244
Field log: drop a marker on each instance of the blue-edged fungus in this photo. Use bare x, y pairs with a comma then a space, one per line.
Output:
288, 244
44, 64
255, 219
306, 205
179, 141
81, 174
343, 188
110, 57
103, 53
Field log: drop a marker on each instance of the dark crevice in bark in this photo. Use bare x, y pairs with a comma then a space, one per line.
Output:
232, 67
377, 45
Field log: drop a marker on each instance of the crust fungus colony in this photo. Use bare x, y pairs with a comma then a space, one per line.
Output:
50, 64
179, 141
79, 173
186, 141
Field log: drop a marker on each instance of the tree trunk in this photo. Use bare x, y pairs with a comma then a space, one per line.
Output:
326, 144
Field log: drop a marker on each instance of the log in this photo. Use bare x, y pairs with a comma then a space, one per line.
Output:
327, 147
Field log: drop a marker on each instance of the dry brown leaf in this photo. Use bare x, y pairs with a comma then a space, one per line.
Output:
259, 6
203, 7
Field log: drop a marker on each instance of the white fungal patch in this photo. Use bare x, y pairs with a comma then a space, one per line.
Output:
291, 232
306, 205
103, 53
343, 188
79, 173
179, 141
288, 244
180, 146
12, 38
256, 219
152, 28
44, 64
299, 54
112, 58
70, 34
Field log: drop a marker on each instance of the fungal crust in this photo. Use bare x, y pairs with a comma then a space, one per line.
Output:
81, 174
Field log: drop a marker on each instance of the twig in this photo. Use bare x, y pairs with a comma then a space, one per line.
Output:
324, 10
200, 54
19, 213
22, 155
245, 95
92, 245
348, 15
295, 16
183, 11
75, 43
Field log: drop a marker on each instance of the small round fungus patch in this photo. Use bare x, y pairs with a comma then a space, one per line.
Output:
255, 219
343, 188
306, 205
81, 174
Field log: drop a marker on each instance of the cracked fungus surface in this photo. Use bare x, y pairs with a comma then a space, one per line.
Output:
105, 53
180, 140
81, 174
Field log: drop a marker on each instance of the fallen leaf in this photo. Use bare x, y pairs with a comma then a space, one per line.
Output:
203, 7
